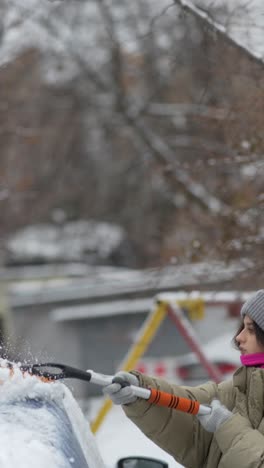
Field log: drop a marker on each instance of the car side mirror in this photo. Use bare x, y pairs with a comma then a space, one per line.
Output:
141, 462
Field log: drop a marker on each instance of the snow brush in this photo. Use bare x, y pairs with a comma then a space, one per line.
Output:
53, 371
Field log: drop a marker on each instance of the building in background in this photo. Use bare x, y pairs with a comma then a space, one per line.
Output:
91, 321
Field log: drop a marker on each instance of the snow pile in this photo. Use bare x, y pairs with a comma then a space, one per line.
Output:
118, 437
28, 435
22, 386
73, 241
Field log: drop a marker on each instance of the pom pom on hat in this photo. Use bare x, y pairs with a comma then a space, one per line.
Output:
254, 308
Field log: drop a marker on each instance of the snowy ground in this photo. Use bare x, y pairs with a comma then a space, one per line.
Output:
118, 437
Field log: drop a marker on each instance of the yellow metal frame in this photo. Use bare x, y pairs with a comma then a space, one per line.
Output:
146, 334
194, 307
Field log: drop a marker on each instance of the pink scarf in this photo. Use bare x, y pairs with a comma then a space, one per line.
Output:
252, 360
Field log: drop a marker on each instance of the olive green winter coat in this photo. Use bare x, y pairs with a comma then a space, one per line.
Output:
239, 441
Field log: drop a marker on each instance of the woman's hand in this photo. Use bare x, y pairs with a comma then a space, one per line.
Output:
120, 391
218, 416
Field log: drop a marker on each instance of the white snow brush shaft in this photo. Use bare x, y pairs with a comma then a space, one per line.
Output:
156, 397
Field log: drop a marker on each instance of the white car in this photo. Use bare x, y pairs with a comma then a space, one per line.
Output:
42, 425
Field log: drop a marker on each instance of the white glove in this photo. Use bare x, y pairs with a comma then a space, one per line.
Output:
218, 415
122, 393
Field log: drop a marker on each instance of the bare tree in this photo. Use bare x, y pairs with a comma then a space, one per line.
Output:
155, 132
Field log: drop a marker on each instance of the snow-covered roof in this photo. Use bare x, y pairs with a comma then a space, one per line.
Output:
135, 306
117, 283
101, 309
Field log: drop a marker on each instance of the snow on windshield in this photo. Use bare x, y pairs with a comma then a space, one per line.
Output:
30, 429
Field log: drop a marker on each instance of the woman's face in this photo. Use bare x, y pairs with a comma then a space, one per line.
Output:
246, 339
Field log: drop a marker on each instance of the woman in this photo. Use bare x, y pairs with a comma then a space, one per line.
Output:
232, 435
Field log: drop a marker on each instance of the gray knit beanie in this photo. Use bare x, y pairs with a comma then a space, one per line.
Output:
254, 308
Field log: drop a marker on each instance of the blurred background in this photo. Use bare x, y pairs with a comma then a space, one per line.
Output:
131, 164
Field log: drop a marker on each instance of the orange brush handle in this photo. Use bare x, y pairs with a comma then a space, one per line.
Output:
172, 401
